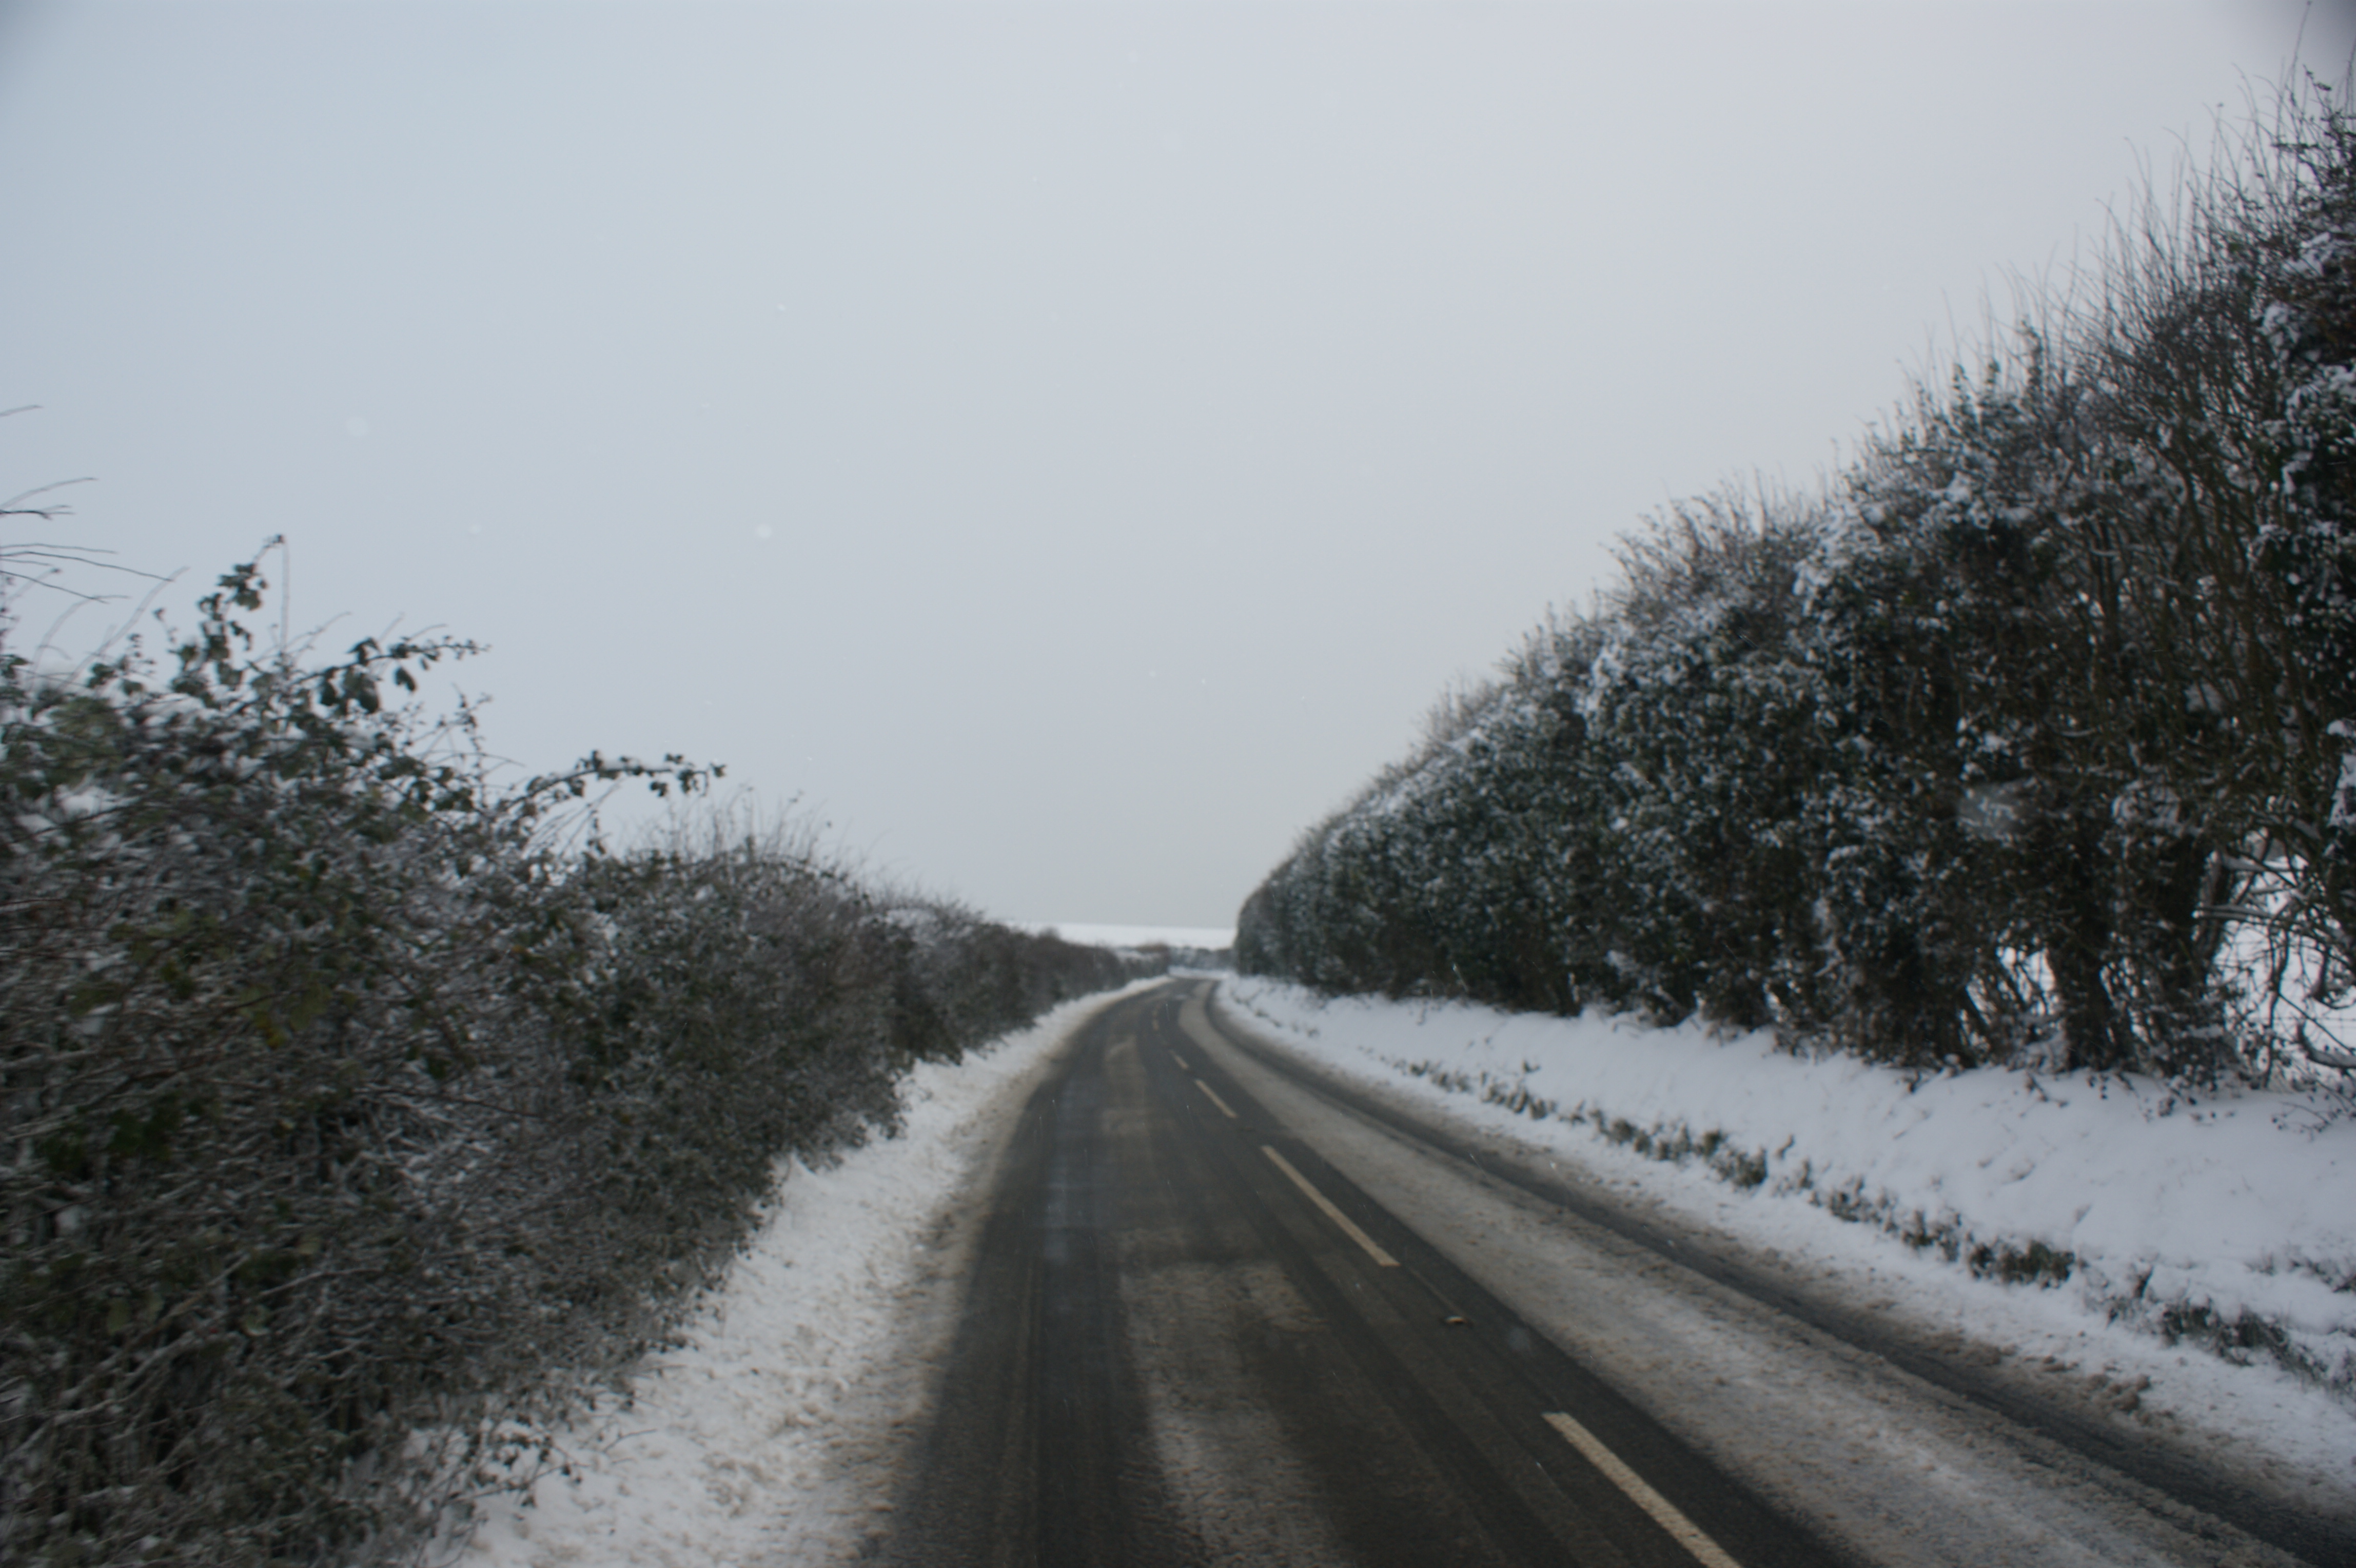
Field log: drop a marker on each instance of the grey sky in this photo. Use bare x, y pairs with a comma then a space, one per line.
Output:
1068, 445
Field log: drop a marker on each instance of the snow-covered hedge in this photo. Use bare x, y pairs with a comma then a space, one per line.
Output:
2029, 738
345, 1097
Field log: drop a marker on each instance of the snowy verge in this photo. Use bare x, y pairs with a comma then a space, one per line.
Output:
767, 1434
2021, 1202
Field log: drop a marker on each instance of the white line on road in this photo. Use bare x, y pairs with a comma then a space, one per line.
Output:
1322, 1202
1180, 1060
1686, 1532
1215, 1096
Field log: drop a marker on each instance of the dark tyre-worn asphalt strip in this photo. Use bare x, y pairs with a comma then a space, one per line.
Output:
1404, 1415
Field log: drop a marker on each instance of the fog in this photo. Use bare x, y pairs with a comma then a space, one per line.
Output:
1064, 447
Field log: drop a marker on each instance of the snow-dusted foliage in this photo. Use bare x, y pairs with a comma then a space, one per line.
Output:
2029, 736
352, 1115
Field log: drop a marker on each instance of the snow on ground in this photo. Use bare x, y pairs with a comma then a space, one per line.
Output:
767, 1436
1210, 939
2232, 1217
762, 1438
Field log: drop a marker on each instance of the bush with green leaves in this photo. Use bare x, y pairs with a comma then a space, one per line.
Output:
358, 1110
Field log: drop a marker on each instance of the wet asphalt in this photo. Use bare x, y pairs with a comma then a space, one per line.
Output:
1186, 1339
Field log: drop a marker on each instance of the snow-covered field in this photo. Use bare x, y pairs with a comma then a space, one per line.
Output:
765, 1438
1211, 939
2185, 1224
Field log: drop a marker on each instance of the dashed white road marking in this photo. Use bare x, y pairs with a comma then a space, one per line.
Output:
1349, 1227
1214, 1097
1684, 1531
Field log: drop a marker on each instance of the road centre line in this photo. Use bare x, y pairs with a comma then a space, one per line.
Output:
1681, 1530
1181, 1061
1349, 1227
1214, 1097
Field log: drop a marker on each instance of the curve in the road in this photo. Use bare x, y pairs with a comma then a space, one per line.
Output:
1189, 1339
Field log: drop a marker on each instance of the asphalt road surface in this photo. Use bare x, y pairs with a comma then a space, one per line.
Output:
1217, 1314
1191, 1339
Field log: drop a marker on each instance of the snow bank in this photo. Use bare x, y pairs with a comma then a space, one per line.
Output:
766, 1435
2228, 1220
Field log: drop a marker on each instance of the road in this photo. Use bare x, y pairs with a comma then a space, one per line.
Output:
1219, 1313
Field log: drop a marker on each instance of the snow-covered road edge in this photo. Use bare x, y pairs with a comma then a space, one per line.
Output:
764, 1437
2237, 1205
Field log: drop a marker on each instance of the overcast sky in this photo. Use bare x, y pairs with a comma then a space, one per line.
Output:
1067, 446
